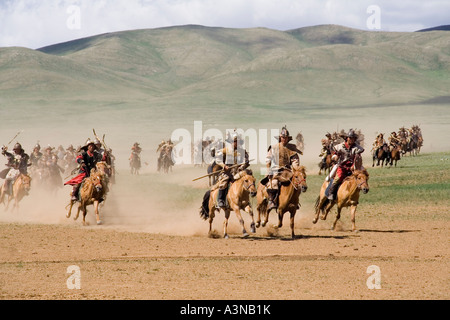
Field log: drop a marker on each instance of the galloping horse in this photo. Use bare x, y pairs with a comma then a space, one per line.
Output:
135, 163
20, 189
395, 155
92, 191
288, 199
326, 167
238, 199
347, 196
381, 155
166, 160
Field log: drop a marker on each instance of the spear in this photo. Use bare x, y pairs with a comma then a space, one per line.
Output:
102, 141
14, 137
218, 172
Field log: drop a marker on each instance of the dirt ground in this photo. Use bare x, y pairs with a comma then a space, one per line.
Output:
409, 245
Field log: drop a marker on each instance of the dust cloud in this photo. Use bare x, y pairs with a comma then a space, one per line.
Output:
169, 203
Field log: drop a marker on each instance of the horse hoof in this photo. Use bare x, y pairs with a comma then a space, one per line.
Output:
315, 221
99, 222
226, 236
245, 235
258, 224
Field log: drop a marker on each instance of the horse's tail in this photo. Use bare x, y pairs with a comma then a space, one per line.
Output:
204, 209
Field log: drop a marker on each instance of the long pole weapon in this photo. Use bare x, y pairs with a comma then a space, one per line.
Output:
17, 134
218, 172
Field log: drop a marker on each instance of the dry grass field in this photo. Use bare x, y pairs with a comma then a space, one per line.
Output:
144, 251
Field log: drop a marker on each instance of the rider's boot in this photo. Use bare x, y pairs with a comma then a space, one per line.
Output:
221, 198
75, 190
332, 192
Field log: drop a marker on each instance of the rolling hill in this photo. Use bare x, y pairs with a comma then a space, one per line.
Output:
324, 65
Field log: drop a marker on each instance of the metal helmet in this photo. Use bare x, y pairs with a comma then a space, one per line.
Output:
352, 134
17, 146
285, 133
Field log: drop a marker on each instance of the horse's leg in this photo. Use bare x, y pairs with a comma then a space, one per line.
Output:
78, 212
338, 216
97, 215
292, 223
319, 202
70, 209
353, 216
211, 218
252, 224
327, 209
8, 202
241, 221
280, 218
225, 223
258, 216
84, 215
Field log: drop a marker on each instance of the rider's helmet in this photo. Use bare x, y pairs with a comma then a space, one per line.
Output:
17, 148
285, 133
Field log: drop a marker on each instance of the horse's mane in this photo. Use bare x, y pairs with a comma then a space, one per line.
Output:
357, 172
302, 169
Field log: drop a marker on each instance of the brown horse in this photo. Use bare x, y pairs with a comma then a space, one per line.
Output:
382, 154
92, 191
395, 156
326, 167
238, 199
288, 199
20, 188
347, 196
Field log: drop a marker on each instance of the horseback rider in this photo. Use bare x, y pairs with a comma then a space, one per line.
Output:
345, 154
281, 158
327, 144
136, 154
18, 162
229, 158
86, 159
394, 141
378, 143
36, 155
166, 149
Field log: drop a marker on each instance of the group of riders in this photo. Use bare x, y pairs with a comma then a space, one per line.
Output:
46, 167
231, 162
406, 140
164, 162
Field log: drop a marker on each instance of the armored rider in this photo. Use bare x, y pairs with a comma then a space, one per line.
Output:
18, 162
281, 159
344, 154
233, 159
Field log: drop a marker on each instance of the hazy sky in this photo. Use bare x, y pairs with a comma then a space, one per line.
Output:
37, 23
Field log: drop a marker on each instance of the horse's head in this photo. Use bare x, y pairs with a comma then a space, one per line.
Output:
97, 180
362, 178
249, 182
299, 178
26, 182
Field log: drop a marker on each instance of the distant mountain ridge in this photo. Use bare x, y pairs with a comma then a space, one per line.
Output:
325, 65
438, 28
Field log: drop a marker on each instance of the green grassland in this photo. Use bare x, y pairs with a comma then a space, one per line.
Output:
141, 85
